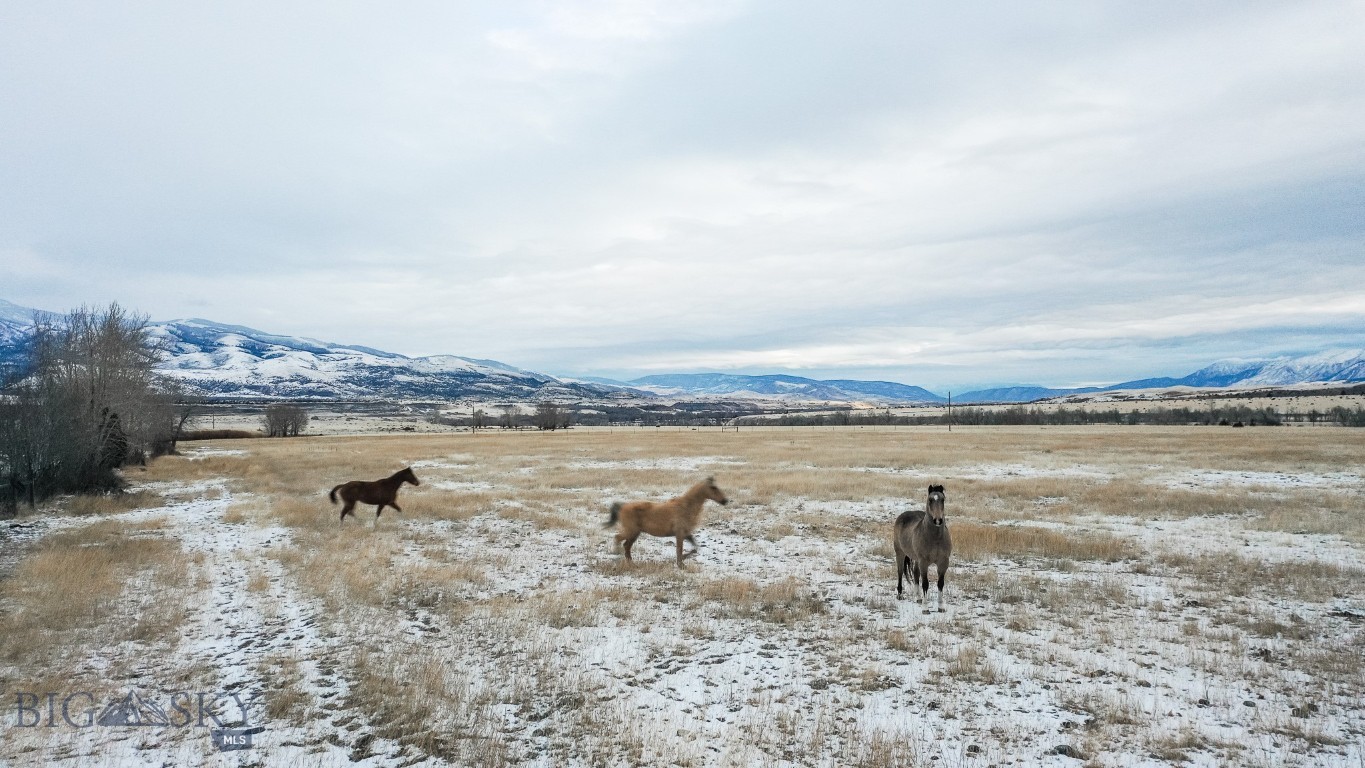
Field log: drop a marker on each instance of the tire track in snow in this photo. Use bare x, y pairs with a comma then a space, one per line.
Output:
234, 633
239, 633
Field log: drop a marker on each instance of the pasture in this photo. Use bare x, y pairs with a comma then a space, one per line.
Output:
1117, 596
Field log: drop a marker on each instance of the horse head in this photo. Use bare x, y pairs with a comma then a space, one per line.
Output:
713, 492
934, 508
408, 477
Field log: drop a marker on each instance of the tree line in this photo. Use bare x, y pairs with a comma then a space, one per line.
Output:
1229, 415
84, 401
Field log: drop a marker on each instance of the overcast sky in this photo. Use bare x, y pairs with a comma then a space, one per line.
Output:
943, 194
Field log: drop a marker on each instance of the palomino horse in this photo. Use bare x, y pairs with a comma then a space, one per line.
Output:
921, 538
676, 517
381, 493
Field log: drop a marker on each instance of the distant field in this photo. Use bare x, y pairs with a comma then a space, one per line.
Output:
390, 418
1119, 596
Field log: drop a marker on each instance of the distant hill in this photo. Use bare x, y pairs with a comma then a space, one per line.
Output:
224, 360
233, 361
784, 387
1331, 366
1021, 394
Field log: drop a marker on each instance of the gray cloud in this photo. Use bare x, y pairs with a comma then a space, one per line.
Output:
988, 193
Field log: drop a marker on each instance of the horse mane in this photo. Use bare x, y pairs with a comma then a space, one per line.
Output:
697, 488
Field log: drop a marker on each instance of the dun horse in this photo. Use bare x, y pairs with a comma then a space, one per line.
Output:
921, 537
381, 493
676, 517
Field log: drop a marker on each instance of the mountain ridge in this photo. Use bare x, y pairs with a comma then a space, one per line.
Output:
235, 361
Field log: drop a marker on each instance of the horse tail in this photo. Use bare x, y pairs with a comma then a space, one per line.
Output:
333, 494
615, 515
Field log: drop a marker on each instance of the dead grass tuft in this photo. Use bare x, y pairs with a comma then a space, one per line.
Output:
975, 541
110, 503
1232, 575
971, 663
91, 588
402, 691
286, 700
784, 602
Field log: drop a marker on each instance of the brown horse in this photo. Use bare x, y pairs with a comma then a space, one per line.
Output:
381, 493
676, 517
921, 538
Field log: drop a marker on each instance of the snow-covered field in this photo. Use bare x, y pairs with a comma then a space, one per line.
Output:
489, 623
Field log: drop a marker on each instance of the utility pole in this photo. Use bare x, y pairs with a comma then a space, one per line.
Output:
950, 410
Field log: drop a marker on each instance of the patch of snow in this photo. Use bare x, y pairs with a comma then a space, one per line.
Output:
995, 472
1217, 479
679, 463
194, 454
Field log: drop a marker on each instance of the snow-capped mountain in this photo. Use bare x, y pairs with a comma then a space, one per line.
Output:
235, 361
1331, 366
14, 322
1019, 394
783, 387
221, 360
1336, 365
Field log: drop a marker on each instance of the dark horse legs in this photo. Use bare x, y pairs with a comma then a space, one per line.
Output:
378, 510
905, 571
349, 509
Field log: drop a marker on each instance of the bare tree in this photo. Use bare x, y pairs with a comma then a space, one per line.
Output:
186, 411
551, 416
285, 420
87, 401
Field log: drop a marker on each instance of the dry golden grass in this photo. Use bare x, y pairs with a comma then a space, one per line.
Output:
766, 466
243, 511
286, 701
974, 541
90, 588
1236, 576
110, 503
784, 602
972, 663
469, 556
257, 582
402, 691
345, 567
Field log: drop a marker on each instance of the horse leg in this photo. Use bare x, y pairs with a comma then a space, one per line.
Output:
942, 574
695, 548
346, 510
627, 544
902, 566
923, 569
379, 510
